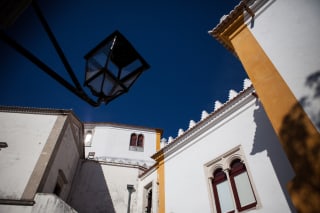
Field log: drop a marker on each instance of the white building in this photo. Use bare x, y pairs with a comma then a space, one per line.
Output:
257, 152
116, 156
278, 44
127, 168
40, 152
237, 132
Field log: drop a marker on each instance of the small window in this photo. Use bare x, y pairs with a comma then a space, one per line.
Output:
133, 139
136, 142
140, 140
230, 187
88, 137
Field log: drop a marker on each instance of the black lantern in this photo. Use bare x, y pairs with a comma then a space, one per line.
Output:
112, 67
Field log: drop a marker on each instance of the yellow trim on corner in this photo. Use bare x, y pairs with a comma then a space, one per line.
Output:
158, 140
296, 132
161, 182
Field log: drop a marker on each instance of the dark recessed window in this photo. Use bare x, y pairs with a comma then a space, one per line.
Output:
61, 181
140, 140
133, 139
136, 142
149, 202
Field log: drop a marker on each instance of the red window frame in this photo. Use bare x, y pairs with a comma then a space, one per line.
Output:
237, 167
133, 139
219, 176
140, 140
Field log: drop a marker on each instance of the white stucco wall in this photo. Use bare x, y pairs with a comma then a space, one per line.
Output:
50, 203
186, 188
26, 135
102, 187
66, 159
146, 181
43, 203
288, 31
117, 179
112, 141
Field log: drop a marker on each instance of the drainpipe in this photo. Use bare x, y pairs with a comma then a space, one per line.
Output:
130, 190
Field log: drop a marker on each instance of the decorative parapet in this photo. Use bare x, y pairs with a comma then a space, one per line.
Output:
180, 132
204, 114
232, 94
124, 161
217, 105
246, 83
219, 110
192, 123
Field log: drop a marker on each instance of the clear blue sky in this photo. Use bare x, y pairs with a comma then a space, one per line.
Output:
189, 69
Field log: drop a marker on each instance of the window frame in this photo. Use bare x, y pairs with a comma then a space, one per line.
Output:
220, 178
140, 140
135, 144
224, 162
133, 139
232, 174
88, 141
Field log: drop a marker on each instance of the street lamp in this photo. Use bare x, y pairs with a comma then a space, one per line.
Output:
111, 67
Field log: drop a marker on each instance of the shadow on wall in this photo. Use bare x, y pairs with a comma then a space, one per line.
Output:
311, 101
265, 139
302, 145
90, 191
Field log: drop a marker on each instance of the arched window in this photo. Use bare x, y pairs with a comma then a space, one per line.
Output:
133, 139
241, 186
233, 190
140, 140
136, 142
221, 192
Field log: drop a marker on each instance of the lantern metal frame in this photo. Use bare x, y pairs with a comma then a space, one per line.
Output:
120, 67
75, 87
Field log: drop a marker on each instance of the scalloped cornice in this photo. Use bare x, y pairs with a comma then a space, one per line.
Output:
214, 118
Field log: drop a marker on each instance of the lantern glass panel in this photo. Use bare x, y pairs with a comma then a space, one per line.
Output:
112, 67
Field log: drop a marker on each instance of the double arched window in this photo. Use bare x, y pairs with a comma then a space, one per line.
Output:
232, 188
136, 142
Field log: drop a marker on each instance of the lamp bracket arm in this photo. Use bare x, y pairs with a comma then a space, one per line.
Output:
27, 54
56, 45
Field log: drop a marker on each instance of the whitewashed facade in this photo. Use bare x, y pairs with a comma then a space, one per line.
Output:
238, 128
47, 152
294, 48
109, 175
40, 160
115, 163
277, 44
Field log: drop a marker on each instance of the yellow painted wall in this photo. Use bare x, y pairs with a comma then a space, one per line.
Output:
297, 134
